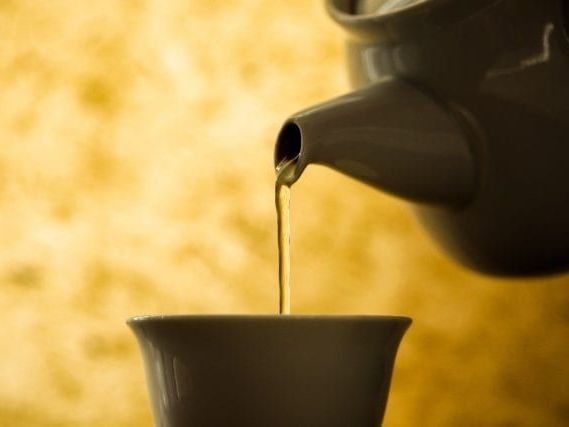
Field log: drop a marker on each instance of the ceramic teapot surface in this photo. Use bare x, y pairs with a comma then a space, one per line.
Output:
462, 108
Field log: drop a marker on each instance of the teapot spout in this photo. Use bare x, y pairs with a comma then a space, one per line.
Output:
389, 135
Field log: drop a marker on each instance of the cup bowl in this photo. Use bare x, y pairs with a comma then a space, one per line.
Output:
289, 371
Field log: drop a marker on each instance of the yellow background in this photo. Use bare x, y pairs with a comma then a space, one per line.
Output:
136, 177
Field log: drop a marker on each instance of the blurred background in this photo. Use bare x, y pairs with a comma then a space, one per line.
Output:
136, 177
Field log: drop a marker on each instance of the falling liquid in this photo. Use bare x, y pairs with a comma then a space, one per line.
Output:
285, 171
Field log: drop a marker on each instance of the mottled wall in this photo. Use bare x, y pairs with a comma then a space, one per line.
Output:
136, 177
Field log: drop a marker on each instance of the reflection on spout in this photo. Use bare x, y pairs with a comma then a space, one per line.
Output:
389, 135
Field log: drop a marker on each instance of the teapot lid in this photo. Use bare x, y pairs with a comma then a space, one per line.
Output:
379, 19
380, 7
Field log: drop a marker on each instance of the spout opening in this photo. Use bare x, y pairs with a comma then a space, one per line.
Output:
289, 143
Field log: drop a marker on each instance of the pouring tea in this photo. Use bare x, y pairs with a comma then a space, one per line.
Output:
461, 108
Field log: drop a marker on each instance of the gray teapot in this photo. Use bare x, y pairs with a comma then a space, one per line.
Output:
461, 107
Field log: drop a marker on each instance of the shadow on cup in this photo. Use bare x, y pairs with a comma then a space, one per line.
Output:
269, 371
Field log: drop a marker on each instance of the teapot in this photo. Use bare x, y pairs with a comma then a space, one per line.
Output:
460, 107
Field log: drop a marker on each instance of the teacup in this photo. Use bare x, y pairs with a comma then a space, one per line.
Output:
269, 371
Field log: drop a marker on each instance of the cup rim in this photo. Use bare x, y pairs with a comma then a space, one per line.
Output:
164, 318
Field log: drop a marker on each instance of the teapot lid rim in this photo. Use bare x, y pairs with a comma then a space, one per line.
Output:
342, 12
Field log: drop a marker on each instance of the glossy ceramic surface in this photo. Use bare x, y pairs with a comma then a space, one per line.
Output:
499, 71
278, 371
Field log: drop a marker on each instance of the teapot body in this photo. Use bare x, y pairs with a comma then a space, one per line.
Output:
501, 67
